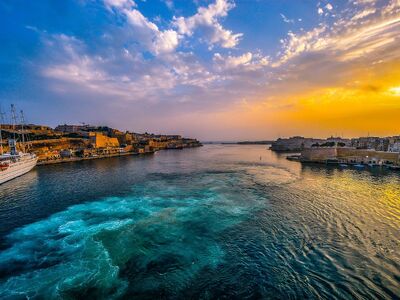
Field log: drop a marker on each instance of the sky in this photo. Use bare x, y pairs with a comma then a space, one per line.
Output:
209, 69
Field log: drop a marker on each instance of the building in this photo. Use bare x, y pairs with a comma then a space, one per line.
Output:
296, 143
69, 128
349, 155
338, 141
299, 143
99, 140
158, 144
66, 153
394, 147
144, 149
124, 138
86, 152
394, 144
374, 143
318, 154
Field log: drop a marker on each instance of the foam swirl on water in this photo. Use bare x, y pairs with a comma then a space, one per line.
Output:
166, 233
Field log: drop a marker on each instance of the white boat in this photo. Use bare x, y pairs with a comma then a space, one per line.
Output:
359, 166
12, 166
15, 163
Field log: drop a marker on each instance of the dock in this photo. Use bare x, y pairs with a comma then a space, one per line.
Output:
75, 159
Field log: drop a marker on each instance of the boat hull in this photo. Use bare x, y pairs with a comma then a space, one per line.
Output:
18, 168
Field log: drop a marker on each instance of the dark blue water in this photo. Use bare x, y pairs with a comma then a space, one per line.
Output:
212, 222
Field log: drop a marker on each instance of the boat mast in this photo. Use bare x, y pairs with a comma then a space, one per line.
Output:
22, 130
1, 135
14, 120
13, 143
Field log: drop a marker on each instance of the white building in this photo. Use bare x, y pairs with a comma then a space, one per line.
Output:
394, 146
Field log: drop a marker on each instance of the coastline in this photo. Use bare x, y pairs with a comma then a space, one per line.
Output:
75, 159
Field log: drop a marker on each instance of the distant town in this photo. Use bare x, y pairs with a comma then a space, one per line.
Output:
78, 142
360, 152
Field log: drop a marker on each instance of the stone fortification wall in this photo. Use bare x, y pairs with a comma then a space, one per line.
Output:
318, 154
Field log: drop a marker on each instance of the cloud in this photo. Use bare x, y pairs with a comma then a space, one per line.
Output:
125, 76
169, 4
119, 3
346, 39
364, 13
320, 56
119, 69
393, 8
248, 61
116, 72
206, 19
148, 34
286, 20
157, 41
120, 73
363, 2
166, 41
299, 43
233, 61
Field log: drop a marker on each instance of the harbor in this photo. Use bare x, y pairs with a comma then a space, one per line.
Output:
201, 149
351, 157
76, 159
23, 146
360, 153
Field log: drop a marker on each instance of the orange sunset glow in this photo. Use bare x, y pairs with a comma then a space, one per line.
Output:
216, 72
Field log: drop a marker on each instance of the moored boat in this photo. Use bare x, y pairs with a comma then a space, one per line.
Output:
359, 166
15, 163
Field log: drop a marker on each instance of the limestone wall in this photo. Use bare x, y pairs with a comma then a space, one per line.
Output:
318, 154
102, 141
350, 155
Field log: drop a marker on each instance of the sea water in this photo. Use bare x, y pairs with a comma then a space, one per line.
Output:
220, 221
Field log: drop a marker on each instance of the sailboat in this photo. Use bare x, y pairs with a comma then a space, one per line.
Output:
15, 163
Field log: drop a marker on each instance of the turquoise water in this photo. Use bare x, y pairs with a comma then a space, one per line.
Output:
212, 222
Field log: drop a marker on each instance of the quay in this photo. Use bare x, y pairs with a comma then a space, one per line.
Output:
348, 156
71, 143
75, 159
358, 152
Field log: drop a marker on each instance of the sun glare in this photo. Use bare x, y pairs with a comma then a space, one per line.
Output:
395, 91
